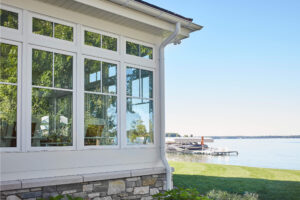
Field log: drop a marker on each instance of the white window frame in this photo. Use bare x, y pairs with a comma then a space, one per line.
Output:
10, 33
95, 51
126, 145
48, 41
19, 96
27, 40
74, 101
82, 136
141, 59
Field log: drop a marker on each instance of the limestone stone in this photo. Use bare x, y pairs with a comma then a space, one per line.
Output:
129, 189
130, 184
116, 187
102, 194
141, 190
49, 189
147, 198
93, 195
100, 188
28, 195
105, 198
12, 197
80, 194
149, 181
158, 184
88, 188
68, 192
133, 179
154, 191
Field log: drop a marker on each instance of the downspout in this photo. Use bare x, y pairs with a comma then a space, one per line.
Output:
162, 102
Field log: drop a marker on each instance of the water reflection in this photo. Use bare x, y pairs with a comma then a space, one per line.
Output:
180, 157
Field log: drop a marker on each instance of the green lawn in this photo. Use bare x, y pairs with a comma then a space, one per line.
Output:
267, 183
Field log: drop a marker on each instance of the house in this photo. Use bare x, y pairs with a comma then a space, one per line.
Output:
82, 97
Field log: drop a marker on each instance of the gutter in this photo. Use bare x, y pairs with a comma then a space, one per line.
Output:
167, 41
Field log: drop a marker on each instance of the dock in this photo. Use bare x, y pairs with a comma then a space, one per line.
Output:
216, 153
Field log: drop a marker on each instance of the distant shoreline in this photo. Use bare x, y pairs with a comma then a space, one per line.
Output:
256, 137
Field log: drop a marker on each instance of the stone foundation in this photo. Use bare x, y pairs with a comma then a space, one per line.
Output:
134, 187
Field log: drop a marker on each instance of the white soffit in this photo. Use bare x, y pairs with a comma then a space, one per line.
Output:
145, 20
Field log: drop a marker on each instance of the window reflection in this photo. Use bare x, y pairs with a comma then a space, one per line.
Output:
8, 63
109, 78
139, 50
42, 68
133, 82
8, 115
139, 121
8, 94
100, 124
146, 52
147, 83
92, 74
92, 39
51, 122
51, 29
8, 19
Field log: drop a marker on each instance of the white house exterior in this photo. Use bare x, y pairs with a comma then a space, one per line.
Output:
82, 95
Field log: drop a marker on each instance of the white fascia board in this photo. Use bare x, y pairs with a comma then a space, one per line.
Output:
160, 14
142, 16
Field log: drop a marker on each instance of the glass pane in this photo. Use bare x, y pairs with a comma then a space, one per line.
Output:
100, 120
8, 63
146, 52
147, 83
63, 32
42, 67
109, 78
8, 19
42, 27
92, 75
133, 82
109, 43
51, 120
132, 48
8, 115
63, 71
139, 121
92, 39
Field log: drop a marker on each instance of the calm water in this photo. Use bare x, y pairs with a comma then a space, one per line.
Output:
266, 153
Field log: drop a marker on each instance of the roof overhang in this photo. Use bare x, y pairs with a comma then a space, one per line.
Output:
135, 14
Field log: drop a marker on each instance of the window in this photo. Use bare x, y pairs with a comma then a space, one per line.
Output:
8, 19
8, 94
139, 114
51, 29
100, 41
139, 50
100, 103
52, 95
50, 103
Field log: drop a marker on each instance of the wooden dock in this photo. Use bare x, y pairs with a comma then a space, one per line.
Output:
216, 153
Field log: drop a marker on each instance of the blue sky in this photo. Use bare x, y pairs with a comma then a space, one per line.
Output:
240, 75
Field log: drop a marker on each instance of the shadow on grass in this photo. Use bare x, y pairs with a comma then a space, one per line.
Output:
266, 189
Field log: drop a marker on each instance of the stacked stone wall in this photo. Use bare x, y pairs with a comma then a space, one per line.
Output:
139, 187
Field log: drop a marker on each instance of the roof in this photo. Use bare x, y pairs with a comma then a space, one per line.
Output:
164, 10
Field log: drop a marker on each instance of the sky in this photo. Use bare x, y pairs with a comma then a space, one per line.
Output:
239, 75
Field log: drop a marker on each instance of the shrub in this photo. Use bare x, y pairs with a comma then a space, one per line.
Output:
180, 194
221, 195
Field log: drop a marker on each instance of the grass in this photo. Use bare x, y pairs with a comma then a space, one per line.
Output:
269, 184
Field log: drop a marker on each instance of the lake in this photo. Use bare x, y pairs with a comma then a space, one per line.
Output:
266, 153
